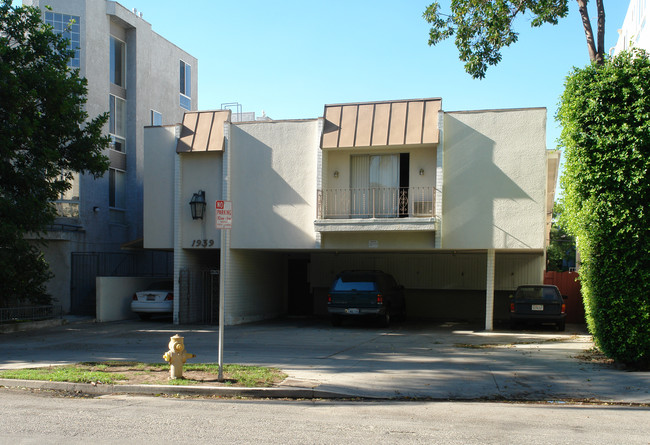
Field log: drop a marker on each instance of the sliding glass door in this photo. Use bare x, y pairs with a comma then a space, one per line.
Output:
374, 186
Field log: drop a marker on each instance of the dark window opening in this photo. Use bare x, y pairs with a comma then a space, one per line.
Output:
403, 185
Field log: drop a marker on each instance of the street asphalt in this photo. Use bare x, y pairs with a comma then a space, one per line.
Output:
409, 360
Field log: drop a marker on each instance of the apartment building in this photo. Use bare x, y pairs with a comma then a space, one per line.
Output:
455, 205
141, 79
634, 32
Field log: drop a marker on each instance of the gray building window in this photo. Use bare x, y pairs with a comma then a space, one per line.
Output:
117, 123
116, 189
69, 27
186, 85
156, 118
118, 62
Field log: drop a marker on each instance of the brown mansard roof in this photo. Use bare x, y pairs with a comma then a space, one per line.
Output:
367, 124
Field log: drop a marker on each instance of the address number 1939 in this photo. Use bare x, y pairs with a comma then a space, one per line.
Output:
202, 243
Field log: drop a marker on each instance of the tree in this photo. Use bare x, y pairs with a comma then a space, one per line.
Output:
482, 28
605, 117
45, 136
561, 251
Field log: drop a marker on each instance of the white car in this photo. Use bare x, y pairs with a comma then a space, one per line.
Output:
158, 298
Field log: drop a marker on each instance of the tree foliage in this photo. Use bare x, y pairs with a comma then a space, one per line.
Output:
605, 117
561, 251
45, 136
481, 28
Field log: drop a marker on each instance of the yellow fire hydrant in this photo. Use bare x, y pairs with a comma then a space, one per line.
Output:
176, 356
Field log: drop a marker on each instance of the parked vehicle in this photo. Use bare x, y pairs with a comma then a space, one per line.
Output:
538, 304
365, 293
158, 298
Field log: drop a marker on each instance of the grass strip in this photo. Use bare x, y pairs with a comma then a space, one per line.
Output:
64, 373
115, 372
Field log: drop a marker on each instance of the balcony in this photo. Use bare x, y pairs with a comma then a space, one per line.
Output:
377, 209
67, 208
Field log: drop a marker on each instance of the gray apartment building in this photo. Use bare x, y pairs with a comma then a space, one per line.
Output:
142, 79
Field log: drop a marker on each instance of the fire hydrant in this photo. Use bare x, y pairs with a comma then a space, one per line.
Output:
176, 356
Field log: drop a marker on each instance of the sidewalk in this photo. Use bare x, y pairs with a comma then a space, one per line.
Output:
411, 360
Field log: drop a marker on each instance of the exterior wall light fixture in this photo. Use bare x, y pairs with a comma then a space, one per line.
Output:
336, 173
197, 205
421, 172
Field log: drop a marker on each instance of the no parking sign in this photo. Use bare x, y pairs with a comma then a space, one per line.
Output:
224, 215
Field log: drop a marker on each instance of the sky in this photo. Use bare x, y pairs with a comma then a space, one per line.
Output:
289, 58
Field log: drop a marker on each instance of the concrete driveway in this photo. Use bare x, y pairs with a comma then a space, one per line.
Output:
420, 360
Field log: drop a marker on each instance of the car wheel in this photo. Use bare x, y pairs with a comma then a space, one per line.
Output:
561, 325
144, 316
336, 320
384, 320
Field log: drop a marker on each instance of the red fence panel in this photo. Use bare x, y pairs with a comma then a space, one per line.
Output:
569, 285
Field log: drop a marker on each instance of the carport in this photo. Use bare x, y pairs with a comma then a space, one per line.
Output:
440, 286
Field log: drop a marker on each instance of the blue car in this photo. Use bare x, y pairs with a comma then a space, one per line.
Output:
365, 294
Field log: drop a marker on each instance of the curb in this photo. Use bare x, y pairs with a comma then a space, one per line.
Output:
218, 391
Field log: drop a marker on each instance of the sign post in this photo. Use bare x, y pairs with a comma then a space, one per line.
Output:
223, 222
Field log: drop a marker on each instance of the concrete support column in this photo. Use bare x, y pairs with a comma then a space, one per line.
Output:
179, 254
489, 293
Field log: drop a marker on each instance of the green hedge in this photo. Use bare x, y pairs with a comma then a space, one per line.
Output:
605, 115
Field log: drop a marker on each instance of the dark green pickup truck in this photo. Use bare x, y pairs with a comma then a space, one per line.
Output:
365, 293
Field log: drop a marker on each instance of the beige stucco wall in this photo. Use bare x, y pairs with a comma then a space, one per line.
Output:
159, 157
273, 183
200, 171
375, 241
255, 286
494, 179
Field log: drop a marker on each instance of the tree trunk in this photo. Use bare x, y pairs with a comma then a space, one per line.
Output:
596, 54
600, 58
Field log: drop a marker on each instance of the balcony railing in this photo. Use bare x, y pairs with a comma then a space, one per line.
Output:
67, 209
377, 202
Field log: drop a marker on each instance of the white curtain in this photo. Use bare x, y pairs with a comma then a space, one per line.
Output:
384, 180
359, 184
374, 184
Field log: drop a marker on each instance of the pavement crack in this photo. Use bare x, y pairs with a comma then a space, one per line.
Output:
494, 378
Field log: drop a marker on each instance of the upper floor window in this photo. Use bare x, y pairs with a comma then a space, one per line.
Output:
118, 62
186, 86
69, 27
117, 123
156, 118
116, 189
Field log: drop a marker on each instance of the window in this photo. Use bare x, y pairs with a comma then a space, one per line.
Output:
69, 27
116, 189
374, 184
118, 62
156, 118
186, 86
67, 206
117, 123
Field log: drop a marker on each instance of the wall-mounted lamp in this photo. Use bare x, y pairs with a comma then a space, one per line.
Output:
421, 172
197, 205
336, 173
95, 209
